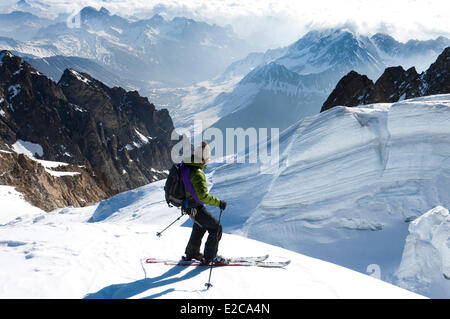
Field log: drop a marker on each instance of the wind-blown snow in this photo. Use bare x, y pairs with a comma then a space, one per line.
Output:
98, 252
425, 265
349, 181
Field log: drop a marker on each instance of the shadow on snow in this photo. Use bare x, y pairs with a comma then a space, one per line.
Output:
128, 290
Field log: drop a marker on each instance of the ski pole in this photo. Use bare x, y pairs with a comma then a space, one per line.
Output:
208, 284
159, 233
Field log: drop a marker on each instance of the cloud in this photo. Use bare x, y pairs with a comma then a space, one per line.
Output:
281, 22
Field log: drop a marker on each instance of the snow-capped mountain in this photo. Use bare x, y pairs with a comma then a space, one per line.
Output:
316, 62
332, 49
35, 7
269, 96
343, 49
270, 74
54, 66
413, 53
20, 25
24, 48
65, 254
176, 52
348, 183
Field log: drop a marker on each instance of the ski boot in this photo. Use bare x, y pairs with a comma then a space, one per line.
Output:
189, 257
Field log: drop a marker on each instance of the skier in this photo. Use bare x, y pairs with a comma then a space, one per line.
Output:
202, 218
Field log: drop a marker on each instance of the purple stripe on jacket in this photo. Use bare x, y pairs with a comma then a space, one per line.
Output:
185, 172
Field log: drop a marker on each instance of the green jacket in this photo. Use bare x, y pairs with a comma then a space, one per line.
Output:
198, 180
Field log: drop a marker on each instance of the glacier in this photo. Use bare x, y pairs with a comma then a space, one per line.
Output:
349, 182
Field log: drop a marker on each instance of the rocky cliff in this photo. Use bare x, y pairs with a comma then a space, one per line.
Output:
118, 136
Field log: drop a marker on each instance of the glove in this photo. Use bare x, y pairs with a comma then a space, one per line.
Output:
223, 205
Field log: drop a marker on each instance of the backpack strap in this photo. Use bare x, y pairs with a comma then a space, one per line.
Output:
185, 173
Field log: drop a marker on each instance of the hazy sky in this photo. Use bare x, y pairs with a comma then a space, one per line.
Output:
281, 22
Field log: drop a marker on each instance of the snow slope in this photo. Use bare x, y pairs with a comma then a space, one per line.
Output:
348, 183
98, 252
12, 202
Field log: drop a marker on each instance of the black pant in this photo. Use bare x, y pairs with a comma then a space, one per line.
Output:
204, 221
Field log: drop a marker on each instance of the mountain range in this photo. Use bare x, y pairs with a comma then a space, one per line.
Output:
21, 25
281, 86
176, 52
158, 58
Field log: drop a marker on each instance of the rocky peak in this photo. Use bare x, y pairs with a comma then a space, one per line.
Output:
91, 13
394, 83
351, 90
100, 19
157, 20
9, 64
386, 43
117, 134
437, 77
5, 54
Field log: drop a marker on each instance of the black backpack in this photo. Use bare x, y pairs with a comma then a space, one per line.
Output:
174, 188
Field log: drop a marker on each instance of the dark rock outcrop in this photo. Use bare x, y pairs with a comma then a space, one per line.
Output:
82, 187
394, 84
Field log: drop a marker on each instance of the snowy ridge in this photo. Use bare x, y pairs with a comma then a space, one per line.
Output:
360, 175
292, 82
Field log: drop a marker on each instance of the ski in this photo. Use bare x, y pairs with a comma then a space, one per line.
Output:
239, 261
247, 259
236, 259
229, 260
